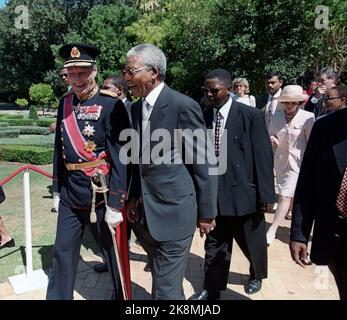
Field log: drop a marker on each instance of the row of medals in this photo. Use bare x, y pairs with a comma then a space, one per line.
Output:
88, 130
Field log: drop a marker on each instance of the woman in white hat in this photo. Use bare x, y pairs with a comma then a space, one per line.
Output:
289, 131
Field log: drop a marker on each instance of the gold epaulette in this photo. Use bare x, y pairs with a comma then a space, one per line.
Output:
109, 93
68, 93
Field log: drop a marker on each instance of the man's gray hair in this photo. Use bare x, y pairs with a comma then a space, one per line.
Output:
329, 72
150, 56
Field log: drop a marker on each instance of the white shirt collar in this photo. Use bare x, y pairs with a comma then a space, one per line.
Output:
154, 94
224, 110
277, 94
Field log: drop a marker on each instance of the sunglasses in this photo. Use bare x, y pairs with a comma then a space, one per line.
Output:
213, 90
63, 75
331, 98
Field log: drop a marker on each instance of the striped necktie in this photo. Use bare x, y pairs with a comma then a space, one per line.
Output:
217, 133
146, 112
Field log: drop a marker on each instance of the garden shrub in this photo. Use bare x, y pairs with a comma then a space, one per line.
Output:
20, 122
31, 130
27, 154
13, 116
46, 122
9, 133
33, 113
3, 124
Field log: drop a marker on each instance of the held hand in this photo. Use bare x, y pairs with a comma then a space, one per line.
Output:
113, 217
131, 210
206, 225
266, 207
274, 141
56, 200
299, 253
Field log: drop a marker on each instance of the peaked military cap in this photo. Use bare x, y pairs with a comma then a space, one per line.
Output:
79, 55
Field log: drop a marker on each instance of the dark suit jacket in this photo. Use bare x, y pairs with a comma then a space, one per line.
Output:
249, 178
173, 194
318, 185
261, 101
2, 195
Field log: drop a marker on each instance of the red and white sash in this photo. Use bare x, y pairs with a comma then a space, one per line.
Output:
78, 141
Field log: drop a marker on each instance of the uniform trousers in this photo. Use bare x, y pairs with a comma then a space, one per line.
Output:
70, 228
249, 233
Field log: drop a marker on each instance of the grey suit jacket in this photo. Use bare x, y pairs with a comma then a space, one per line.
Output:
174, 194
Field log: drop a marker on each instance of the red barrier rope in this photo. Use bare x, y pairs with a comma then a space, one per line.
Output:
23, 168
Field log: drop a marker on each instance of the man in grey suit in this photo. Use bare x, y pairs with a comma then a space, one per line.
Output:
245, 190
166, 201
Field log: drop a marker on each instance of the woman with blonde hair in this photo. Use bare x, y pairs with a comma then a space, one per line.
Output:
240, 87
289, 131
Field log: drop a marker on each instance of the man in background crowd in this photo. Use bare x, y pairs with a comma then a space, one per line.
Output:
316, 102
267, 102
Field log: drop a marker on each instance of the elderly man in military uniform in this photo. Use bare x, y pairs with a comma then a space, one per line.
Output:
89, 180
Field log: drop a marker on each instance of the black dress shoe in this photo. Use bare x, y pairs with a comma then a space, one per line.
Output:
253, 286
8, 244
100, 267
206, 295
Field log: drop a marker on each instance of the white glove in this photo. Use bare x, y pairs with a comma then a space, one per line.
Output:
113, 217
56, 199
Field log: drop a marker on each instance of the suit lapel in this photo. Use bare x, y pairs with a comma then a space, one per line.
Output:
340, 138
340, 151
137, 115
232, 122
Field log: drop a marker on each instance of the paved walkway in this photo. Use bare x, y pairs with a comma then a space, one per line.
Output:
286, 280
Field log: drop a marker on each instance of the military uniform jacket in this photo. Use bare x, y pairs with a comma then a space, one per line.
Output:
2, 195
85, 132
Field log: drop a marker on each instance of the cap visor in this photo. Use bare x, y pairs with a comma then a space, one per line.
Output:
78, 64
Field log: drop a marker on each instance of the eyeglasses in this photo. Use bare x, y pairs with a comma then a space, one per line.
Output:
213, 90
132, 72
331, 98
64, 75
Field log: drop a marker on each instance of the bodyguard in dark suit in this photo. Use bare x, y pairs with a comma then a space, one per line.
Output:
245, 190
321, 174
89, 180
167, 200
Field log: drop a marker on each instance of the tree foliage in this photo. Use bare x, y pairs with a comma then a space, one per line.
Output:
247, 37
42, 94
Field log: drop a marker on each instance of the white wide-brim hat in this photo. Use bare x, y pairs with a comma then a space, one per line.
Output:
292, 93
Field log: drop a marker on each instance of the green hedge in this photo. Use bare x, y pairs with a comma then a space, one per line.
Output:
28, 130
19, 122
27, 154
9, 133
9, 116
4, 124
45, 122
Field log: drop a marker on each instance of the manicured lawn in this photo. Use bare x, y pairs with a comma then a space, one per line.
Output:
12, 260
